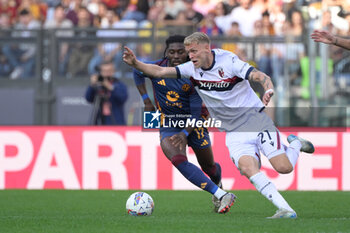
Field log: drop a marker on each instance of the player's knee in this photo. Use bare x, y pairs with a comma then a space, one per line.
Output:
284, 168
247, 170
248, 166
178, 159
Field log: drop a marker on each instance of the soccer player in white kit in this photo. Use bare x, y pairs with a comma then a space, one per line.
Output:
222, 81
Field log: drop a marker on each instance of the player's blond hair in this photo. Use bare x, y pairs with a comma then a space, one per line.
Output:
197, 37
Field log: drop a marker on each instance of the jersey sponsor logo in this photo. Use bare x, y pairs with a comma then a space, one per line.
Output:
162, 82
214, 85
224, 85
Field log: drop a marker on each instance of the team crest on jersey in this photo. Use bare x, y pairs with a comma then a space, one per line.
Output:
221, 72
185, 87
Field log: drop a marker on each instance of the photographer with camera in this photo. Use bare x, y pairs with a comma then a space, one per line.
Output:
108, 94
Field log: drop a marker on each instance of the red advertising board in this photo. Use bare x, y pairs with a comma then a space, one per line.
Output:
131, 158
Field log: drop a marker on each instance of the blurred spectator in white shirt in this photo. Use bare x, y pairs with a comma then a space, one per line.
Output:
93, 6
261, 5
277, 16
204, 6
245, 15
222, 17
172, 8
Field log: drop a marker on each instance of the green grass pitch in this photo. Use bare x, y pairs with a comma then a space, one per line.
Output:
175, 211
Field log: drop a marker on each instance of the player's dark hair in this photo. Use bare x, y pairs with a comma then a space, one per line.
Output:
24, 11
173, 39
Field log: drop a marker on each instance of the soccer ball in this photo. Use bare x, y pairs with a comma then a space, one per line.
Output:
139, 204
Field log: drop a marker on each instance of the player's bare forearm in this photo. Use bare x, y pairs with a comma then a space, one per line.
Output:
341, 42
156, 71
142, 89
328, 38
258, 76
148, 69
146, 100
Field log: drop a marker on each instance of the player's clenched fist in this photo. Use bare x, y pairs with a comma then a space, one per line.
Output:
267, 96
129, 57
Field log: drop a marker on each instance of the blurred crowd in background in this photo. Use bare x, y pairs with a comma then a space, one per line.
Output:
230, 18
291, 20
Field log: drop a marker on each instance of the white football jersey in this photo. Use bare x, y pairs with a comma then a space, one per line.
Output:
224, 88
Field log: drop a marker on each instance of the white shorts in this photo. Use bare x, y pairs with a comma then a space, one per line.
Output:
267, 140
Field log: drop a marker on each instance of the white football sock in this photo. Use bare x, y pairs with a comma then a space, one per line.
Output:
219, 193
268, 189
293, 152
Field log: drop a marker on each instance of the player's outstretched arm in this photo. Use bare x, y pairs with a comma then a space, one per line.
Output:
146, 100
149, 69
258, 76
328, 38
139, 80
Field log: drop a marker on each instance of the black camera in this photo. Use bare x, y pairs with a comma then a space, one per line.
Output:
100, 78
98, 71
